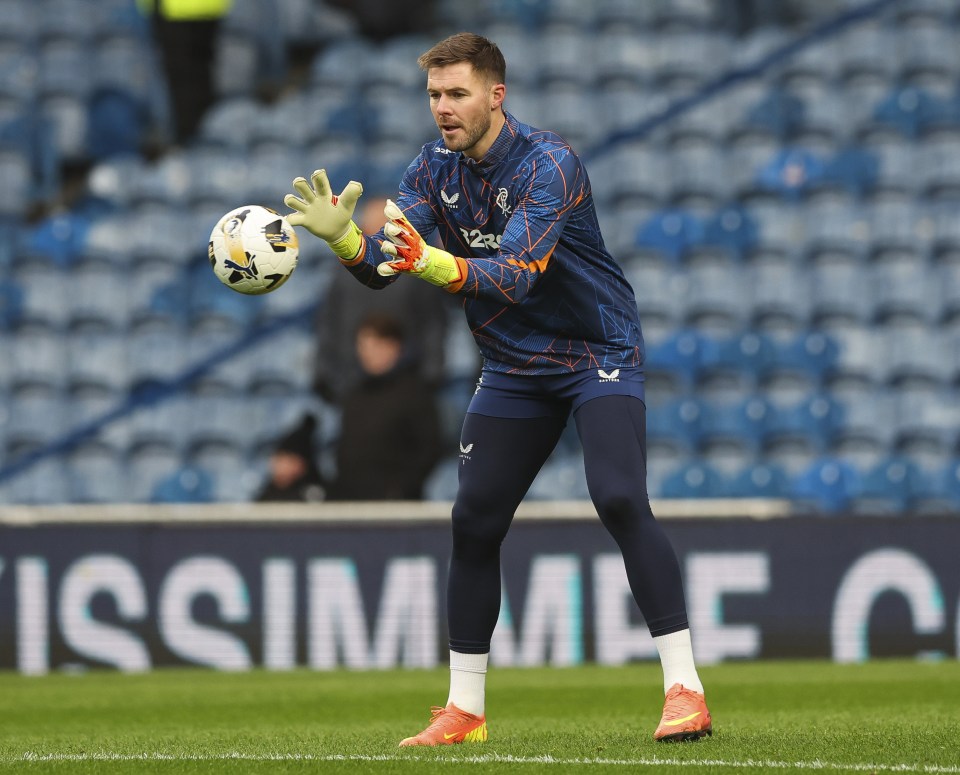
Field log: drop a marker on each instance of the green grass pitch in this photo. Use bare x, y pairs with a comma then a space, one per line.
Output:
882, 716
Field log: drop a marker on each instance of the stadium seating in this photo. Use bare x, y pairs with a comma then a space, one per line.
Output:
792, 239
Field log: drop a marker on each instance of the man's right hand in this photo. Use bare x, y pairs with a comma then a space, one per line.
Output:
325, 215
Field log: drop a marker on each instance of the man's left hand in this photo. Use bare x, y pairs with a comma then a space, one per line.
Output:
411, 255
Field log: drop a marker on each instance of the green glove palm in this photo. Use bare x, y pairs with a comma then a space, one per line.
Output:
410, 254
326, 215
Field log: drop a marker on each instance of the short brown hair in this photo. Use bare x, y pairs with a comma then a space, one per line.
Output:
482, 54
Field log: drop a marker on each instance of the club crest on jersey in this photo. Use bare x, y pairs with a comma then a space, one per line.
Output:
450, 201
501, 201
612, 376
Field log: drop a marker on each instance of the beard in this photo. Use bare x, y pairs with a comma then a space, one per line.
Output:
469, 135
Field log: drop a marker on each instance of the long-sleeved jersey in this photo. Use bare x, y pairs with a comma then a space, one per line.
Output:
542, 294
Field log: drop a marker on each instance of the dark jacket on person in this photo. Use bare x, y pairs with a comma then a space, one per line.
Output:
389, 438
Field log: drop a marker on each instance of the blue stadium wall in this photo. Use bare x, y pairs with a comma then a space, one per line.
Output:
336, 593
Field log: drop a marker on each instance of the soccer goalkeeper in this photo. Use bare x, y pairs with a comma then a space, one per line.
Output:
559, 331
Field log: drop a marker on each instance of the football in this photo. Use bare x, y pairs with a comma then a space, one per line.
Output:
253, 249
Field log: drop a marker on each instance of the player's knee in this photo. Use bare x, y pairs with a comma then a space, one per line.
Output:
477, 531
619, 510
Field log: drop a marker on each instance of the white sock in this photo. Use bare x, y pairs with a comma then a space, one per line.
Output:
468, 677
676, 658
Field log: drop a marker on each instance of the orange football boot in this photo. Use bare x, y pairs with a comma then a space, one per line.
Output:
450, 725
685, 716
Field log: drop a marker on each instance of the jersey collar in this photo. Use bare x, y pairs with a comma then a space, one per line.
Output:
498, 151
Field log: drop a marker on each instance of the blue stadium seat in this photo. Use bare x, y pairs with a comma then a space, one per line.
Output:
18, 22
812, 353
780, 228
927, 48
816, 418
672, 233
778, 112
118, 120
837, 283
90, 406
678, 420
943, 490
156, 354
865, 51
746, 419
567, 57
17, 194
121, 62
828, 486
760, 480
907, 109
97, 359
732, 228
917, 352
836, 228
235, 478
11, 304
695, 479
896, 226
779, 289
897, 163
334, 66
717, 297
96, 473
698, 173
35, 418
625, 56
64, 67
187, 484
851, 169
637, 172
147, 466
680, 355
98, 297
37, 359
43, 484
889, 487
903, 283
937, 166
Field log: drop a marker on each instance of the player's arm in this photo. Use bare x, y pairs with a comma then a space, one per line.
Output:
555, 186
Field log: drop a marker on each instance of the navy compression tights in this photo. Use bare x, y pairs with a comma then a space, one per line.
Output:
505, 458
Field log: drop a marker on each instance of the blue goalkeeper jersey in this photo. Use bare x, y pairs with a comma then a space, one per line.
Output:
542, 294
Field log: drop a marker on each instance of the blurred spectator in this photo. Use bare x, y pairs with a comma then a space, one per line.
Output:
186, 34
423, 312
390, 429
294, 475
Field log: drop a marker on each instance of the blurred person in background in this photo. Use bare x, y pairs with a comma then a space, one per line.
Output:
186, 34
294, 475
559, 330
385, 450
424, 312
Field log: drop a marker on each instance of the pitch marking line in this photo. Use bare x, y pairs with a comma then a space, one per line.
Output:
814, 764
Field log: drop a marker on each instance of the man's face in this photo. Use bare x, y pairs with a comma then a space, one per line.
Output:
464, 106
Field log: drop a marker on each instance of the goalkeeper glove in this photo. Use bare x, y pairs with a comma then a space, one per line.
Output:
412, 255
325, 215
